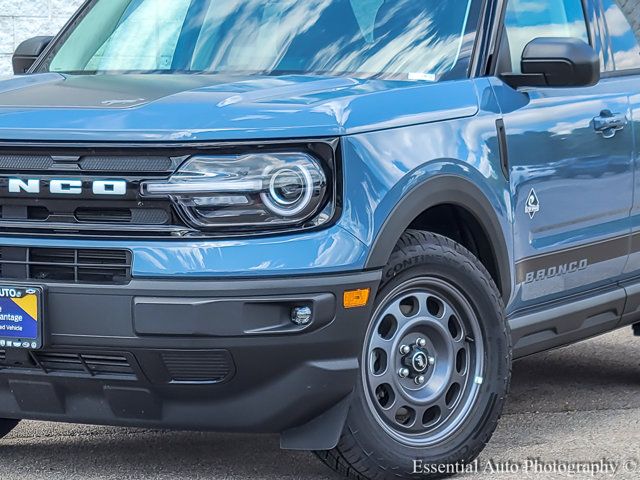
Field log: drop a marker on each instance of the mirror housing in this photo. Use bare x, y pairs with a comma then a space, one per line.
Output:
556, 62
28, 52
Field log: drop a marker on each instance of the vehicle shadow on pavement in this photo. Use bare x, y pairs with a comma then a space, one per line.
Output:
111, 453
603, 373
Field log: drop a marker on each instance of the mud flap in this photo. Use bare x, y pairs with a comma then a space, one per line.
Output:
321, 433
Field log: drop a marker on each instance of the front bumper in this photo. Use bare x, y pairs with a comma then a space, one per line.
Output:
197, 355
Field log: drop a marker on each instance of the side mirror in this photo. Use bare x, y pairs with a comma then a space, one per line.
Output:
556, 62
28, 52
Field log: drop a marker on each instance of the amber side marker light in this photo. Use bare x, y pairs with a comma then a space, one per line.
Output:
356, 298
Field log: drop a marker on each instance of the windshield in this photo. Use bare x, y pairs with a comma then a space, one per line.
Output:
411, 39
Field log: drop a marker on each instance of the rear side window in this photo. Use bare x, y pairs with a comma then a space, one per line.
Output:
526, 20
623, 26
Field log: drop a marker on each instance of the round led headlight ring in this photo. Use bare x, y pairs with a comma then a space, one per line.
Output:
290, 190
286, 187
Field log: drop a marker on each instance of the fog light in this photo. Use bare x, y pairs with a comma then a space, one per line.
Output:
301, 315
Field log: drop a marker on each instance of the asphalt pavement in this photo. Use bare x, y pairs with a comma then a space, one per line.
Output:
572, 413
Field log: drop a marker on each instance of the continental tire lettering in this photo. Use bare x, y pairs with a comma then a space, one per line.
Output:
405, 265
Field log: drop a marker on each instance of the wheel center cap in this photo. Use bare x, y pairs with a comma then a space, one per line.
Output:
420, 362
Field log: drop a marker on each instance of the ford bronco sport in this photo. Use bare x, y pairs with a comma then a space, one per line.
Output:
334, 220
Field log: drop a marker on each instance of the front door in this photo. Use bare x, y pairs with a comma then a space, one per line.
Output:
570, 165
622, 20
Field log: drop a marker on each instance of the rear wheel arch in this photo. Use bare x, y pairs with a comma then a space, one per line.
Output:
445, 190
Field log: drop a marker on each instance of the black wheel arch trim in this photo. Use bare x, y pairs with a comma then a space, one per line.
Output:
443, 189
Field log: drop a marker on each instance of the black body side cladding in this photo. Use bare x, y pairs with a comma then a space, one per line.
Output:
567, 323
576, 318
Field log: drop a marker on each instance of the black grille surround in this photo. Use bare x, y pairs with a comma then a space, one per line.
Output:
86, 266
132, 215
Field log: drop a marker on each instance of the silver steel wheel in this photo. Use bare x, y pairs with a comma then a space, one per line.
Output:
423, 361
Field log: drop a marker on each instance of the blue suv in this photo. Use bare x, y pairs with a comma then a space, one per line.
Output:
334, 220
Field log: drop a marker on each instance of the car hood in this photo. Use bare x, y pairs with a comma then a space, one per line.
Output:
175, 108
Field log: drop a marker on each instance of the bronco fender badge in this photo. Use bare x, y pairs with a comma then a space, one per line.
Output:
533, 204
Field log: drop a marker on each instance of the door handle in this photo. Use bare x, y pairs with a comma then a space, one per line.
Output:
608, 124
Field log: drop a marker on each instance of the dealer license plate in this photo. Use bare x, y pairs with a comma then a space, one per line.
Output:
21, 317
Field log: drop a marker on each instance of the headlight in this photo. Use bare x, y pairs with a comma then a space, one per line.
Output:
258, 191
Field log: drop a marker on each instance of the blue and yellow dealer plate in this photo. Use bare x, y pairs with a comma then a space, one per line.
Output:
20, 317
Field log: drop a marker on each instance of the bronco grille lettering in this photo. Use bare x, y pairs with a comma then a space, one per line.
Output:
30, 186
68, 186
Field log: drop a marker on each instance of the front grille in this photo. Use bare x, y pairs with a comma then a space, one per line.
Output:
91, 163
137, 216
89, 365
85, 213
213, 366
65, 265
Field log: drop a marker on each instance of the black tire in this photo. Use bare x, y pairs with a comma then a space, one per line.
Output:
6, 426
367, 449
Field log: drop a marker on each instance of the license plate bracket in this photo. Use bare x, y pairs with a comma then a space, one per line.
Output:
21, 314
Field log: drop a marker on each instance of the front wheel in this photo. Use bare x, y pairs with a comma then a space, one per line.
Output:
435, 370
